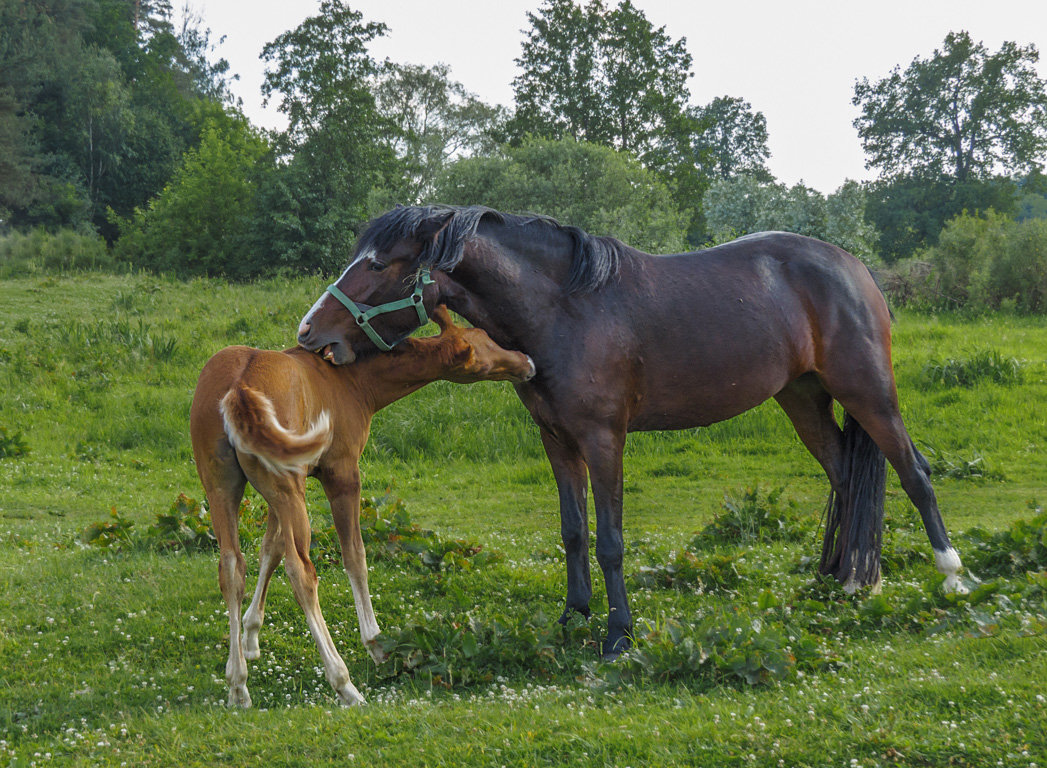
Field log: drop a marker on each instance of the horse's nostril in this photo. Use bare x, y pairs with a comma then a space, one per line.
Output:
303, 330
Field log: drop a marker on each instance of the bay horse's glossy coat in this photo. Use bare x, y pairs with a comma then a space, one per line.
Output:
271, 419
626, 341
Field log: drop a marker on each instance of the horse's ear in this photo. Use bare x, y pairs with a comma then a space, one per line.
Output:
433, 225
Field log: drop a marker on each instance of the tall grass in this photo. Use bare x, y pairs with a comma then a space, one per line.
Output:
117, 656
42, 252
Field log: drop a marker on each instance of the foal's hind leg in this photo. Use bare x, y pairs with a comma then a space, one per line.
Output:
286, 497
271, 552
224, 485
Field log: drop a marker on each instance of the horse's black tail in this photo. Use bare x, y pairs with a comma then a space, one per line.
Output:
854, 516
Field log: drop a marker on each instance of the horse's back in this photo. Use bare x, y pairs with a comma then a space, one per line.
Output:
721, 330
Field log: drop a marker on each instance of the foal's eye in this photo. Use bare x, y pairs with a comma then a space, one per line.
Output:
377, 266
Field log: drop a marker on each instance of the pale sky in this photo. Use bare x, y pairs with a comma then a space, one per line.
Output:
796, 61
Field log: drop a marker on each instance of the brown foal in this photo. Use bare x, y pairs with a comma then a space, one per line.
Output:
273, 418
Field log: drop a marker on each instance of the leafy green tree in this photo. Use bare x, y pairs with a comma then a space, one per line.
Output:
588, 185
732, 139
910, 211
744, 205
106, 102
599, 75
962, 113
558, 93
334, 138
435, 120
945, 133
204, 221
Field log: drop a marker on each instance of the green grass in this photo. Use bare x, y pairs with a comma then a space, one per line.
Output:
116, 656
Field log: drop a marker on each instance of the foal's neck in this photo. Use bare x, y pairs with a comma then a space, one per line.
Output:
386, 377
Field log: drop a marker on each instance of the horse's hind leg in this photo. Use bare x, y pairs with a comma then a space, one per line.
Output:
888, 431
270, 554
857, 476
810, 409
874, 405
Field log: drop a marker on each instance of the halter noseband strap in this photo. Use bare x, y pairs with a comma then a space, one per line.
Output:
363, 317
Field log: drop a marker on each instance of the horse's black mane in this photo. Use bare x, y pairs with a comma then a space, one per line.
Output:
595, 261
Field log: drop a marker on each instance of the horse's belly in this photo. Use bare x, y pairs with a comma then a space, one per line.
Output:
688, 408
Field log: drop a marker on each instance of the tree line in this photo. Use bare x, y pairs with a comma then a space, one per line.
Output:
117, 119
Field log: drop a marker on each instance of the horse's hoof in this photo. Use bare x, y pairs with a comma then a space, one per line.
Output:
615, 647
570, 613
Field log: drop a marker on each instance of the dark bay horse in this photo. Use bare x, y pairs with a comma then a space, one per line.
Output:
271, 419
626, 341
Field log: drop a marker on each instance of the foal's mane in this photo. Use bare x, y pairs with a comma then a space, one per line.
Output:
595, 261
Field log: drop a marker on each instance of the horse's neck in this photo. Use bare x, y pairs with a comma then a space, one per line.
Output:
506, 285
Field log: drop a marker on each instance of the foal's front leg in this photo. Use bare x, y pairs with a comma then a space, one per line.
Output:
342, 486
571, 481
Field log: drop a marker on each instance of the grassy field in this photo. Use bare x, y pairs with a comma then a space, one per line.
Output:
115, 655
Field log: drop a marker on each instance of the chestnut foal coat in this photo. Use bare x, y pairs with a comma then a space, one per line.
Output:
273, 418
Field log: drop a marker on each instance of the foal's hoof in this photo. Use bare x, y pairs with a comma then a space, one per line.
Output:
348, 696
376, 652
239, 698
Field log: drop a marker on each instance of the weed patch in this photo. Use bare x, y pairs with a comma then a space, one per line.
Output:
12, 445
718, 572
956, 467
386, 528
455, 652
754, 519
1013, 551
721, 649
984, 365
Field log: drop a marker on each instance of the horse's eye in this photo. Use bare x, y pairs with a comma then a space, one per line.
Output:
377, 266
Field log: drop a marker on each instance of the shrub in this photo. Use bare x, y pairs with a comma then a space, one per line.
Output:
980, 262
203, 221
585, 185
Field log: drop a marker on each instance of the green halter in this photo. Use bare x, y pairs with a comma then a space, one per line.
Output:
363, 317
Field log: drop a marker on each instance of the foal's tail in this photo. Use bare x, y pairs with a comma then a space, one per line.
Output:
251, 424
854, 517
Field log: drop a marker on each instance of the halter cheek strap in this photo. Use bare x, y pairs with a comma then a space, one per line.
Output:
364, 316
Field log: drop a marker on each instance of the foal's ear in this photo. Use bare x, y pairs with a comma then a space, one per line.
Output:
443, 318
433, 225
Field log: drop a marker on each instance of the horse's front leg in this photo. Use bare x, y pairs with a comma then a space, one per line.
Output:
603, 454
571, 481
